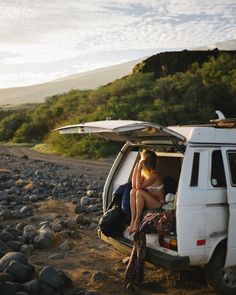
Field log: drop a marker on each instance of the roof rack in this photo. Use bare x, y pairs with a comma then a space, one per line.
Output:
224, 123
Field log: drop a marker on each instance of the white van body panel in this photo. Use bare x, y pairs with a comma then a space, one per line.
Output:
207, 135
231, 196
201, 210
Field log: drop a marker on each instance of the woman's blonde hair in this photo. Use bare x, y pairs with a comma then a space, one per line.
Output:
150, 163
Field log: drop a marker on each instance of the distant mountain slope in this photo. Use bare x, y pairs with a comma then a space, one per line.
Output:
88, 80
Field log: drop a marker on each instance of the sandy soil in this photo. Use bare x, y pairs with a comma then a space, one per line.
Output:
92, 255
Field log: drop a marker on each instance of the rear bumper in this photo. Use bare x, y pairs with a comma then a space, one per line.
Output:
153, 256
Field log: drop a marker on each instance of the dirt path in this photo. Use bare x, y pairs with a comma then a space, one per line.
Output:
93, 256
74, 166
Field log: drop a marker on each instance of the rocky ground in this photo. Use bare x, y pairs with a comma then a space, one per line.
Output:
49, 213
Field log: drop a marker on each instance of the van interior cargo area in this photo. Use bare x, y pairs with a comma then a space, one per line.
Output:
169, 166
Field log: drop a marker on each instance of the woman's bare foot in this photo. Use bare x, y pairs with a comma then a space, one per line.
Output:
132, 228
129, 228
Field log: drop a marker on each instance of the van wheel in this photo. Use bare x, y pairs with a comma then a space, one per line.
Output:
221, 279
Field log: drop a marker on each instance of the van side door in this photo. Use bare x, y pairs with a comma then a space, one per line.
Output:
229, 158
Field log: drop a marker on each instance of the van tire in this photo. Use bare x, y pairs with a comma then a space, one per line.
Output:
220, 279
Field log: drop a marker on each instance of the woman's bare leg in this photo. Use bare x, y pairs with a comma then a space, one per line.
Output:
132, 208
143, 198
139, 209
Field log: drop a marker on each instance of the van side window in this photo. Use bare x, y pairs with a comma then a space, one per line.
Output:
217, 170
195, 170
232, 165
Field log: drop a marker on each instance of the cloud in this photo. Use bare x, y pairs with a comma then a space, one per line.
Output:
45, 32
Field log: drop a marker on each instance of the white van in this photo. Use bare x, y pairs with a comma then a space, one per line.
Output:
202, 161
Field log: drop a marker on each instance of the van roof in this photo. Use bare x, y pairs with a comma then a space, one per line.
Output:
206, 134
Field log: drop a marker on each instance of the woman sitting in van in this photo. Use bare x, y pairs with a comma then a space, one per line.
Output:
147, 188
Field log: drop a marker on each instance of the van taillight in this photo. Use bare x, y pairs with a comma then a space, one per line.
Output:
169, 242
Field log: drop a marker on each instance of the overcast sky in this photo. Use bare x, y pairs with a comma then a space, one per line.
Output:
41, 40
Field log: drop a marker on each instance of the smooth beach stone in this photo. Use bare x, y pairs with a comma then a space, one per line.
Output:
4, 248
12, 256
20, 272
7, 289
33, 286
6, 277
50, 277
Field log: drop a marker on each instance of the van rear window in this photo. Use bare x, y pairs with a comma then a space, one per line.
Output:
217, 170
232, 165
195, 170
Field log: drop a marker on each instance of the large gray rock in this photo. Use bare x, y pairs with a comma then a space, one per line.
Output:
29, 235
57, 227
85, 201
90, 193
5, 236
12, 256
4, 248
14, 232
14, 245
50, 277
83, 220
45, 239
20, 272
20, 226
33, 198
28, 227
6, 213
79, 209
6, 277
8, 289
71, 224
26, 210
94, 208
32, 287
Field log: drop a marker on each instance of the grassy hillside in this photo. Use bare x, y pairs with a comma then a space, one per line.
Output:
186, 97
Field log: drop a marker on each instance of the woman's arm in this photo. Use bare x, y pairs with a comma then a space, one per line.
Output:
134, 176
139, 179
154, 177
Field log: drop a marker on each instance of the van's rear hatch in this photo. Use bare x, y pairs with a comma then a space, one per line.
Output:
126, 130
